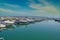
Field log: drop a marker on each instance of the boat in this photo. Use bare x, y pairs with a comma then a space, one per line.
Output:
9, 22
2, 25
21, 22
30, 20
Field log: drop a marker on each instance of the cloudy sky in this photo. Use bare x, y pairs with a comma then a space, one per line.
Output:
50, 8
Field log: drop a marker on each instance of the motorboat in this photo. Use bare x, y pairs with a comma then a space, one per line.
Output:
9, 22
30, 20
2, 25
21, 21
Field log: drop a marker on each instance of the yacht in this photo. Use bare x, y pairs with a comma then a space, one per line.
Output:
30, 20
9, 22
2, 25
23, 21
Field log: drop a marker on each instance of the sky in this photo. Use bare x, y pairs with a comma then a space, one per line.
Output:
47, 8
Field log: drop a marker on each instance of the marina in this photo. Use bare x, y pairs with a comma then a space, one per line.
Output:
32, 31
6, 21
29, 19
22, 26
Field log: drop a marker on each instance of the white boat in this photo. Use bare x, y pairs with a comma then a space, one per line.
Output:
30, 20
2, 25
23, 21
10, 22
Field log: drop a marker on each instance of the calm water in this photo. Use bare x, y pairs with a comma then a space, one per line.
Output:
45, 30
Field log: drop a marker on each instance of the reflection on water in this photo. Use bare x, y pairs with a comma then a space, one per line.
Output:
12, 27
57, 21
8, 27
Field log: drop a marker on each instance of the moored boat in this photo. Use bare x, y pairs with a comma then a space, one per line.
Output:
21, 22
30, 20
9, 22
2, 25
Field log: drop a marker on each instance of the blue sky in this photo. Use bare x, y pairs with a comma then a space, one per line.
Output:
50, 8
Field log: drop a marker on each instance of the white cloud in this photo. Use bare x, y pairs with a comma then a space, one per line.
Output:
44, 2
16, 13
12, 5
8, 11
43, 9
